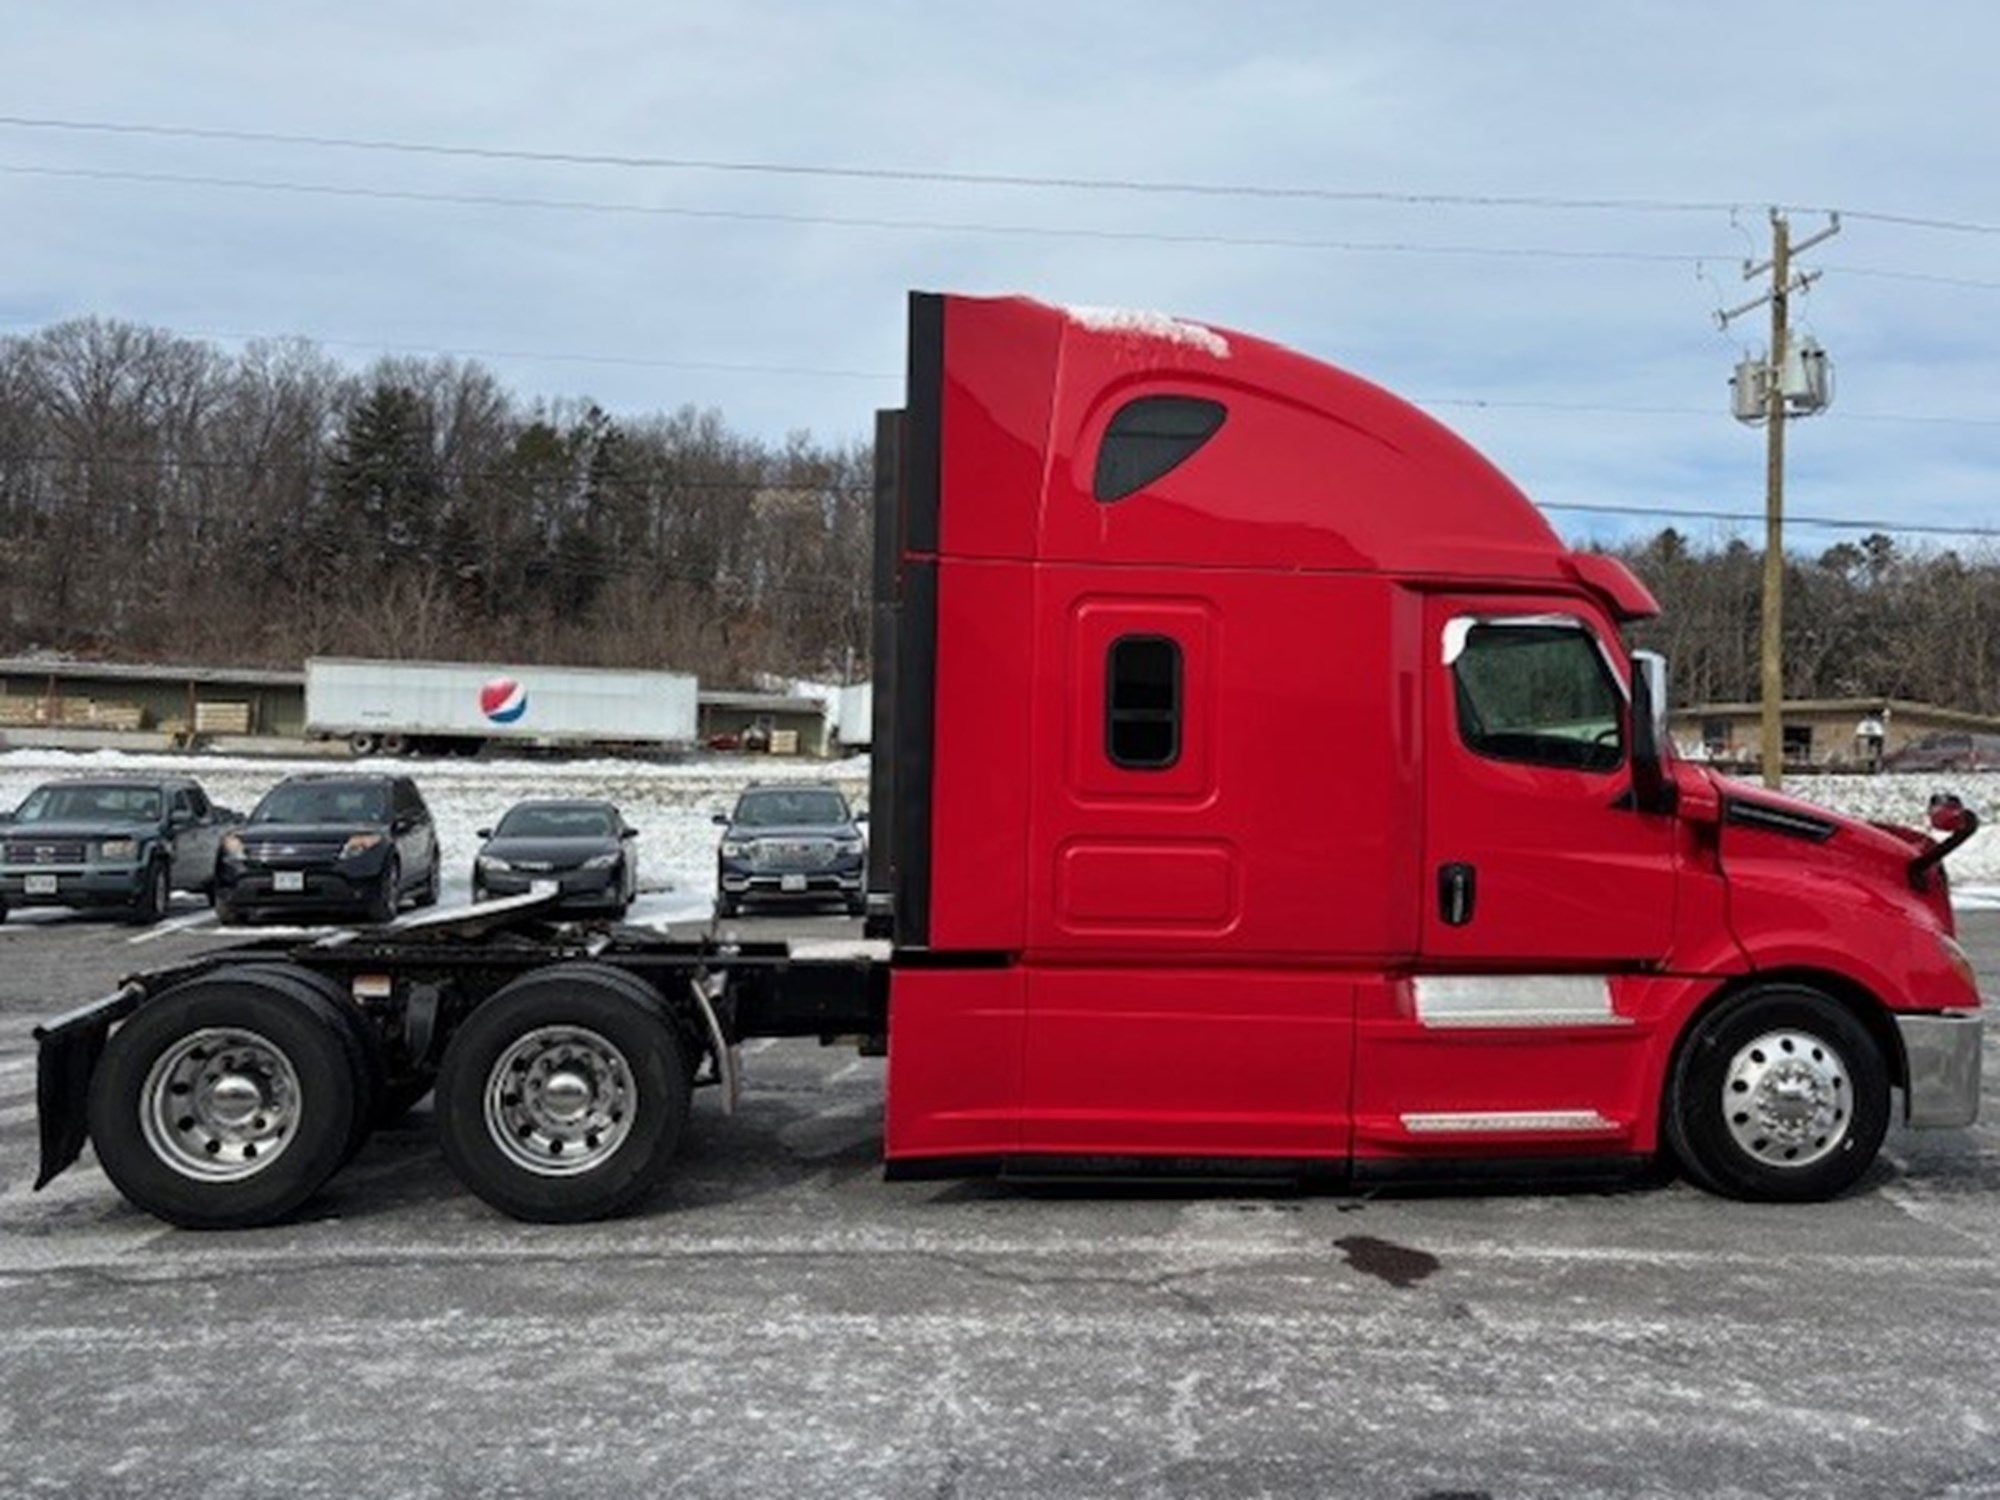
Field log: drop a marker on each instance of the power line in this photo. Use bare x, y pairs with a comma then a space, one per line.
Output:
842, 221
934, 177
866, 174
1830, 523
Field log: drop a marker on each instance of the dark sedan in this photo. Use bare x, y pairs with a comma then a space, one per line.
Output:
790, 844
583, 847
348, 844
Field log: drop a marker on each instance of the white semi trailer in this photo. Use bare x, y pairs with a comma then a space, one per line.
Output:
394, 707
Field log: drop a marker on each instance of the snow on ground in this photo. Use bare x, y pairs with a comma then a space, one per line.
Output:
673, 803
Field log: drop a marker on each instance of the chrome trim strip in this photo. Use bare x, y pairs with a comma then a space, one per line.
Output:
1943, 1052
1494, 1121
1458, 1000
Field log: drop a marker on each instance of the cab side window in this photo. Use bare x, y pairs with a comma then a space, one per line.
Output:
1537, 692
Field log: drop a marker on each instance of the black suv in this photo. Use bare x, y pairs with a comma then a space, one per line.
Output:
123, 841
790, 843
331, 843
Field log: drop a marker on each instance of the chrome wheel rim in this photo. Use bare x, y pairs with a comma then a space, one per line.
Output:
1787, 1099
220, 1105
559, 1102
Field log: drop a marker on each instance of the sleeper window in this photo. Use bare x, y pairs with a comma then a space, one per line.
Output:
1143, 702
1151, 437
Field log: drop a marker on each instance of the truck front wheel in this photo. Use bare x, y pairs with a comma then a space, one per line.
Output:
1779, 1095
564, 1096
225, 1102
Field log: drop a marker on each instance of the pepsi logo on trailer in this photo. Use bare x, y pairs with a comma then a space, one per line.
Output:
503, 700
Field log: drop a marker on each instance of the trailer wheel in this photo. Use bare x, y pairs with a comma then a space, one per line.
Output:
363, 743
564, 1096
1781, 1095
225, 1102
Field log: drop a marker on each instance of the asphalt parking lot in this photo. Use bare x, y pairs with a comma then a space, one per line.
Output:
785, 1321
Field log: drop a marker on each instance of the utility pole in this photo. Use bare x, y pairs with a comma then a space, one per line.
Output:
1786, 382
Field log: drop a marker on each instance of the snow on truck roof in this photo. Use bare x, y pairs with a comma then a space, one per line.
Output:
1152, 325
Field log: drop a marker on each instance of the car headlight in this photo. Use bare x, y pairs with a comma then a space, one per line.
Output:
601, 861
848, 846
361, 843
735, 848
118, 849
494, 863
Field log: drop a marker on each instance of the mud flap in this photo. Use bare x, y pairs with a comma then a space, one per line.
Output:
68, 1051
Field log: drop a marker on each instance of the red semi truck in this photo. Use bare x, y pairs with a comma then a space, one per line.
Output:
1260, 787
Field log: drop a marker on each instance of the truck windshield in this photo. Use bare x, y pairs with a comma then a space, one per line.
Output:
1541, 693
87, 804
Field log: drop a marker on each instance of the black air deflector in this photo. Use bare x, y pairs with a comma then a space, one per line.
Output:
908, 490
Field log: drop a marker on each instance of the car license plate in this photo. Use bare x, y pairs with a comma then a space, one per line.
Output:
791, 882
40, 885
288, 880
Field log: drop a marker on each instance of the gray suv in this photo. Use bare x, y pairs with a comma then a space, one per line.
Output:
791, 843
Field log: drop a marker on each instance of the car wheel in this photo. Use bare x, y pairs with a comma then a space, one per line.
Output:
224, 1102
857, 906
428, 896
388, 896
155, 895
1779, 1095
728, 906
564, 1096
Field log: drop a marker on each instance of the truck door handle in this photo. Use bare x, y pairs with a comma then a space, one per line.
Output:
1458, 887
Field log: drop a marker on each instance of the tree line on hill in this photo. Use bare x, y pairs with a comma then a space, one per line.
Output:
162, 500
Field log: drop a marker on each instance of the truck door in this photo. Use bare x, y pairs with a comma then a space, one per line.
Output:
1534, 854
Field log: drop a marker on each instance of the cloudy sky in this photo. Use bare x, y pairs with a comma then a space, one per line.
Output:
1524, 215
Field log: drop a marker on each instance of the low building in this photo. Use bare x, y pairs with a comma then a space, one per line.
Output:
1820, 734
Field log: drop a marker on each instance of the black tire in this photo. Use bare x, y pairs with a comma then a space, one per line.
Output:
728, 906
1779, 1095
857, 906
364, 1049
388, 896
363, 744
427, 894
155, 895
228, 913
595, 1128
244, 1142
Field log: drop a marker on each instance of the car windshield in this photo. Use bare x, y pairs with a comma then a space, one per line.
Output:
557, 823
324, 802
83, 803
788, 807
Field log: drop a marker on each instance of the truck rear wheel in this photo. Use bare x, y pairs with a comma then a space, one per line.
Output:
564, 1096
225, 1102
1780, 1095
